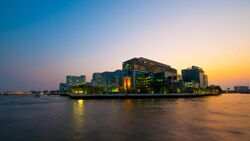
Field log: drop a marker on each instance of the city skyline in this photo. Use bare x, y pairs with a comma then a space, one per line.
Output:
41, 42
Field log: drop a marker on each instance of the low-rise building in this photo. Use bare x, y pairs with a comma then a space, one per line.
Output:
63, 88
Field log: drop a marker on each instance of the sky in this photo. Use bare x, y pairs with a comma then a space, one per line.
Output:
42, 41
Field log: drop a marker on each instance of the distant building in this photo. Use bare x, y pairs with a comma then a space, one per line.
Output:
75, 80
195, 75
108, 80
63, 87
138, 71
97, 79
16, 92
241, 89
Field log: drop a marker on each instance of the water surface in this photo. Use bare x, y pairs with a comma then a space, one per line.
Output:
51, 118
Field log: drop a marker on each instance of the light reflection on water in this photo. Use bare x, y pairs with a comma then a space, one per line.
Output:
225, 117
78, 118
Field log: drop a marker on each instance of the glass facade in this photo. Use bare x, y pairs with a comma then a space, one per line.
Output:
108, 80
147, 65
142, 72
195, 75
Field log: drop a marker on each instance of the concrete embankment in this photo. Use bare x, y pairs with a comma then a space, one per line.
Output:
136, 96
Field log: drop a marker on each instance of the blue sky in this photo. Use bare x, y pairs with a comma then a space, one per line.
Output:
41, 41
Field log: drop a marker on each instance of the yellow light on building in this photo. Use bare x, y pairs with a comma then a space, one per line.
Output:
77, 91
127, 83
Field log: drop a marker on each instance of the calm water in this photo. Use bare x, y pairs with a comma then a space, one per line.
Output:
55, 118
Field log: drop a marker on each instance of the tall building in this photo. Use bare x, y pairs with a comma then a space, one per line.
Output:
195, 75
241, 89
75, 80
136, 69
108, 80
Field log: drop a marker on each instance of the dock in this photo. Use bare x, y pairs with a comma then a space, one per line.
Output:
137, 96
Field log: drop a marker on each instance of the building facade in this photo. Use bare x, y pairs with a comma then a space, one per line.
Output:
141, 71
63, 88
75, 80
97, 80
195, 75
110, 81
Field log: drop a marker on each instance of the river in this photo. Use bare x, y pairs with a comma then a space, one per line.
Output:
55, 118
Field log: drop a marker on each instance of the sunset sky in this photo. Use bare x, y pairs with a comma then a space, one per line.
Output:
42, 41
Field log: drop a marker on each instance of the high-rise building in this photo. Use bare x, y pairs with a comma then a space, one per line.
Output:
195, 75
108, 80
137, 69
75, 80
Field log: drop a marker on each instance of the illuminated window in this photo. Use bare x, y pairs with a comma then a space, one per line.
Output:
127, 83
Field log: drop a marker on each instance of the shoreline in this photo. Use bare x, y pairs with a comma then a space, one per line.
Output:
137, 96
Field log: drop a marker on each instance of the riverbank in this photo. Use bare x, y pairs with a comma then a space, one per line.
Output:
136, 96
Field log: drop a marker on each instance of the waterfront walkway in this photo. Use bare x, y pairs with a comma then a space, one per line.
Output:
136, 96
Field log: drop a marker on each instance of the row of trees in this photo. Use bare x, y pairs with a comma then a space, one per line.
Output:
84, 89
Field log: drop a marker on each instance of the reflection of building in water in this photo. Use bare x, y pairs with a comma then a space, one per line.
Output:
128, 104
78, 116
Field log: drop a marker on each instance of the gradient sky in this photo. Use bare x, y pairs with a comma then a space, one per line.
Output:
42, 41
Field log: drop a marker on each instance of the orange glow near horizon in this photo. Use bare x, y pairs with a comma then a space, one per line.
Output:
228, 76
213, 35
226, 65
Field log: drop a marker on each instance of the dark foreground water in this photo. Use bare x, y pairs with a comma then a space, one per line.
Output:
55, 118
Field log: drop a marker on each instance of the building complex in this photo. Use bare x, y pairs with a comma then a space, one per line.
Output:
141, 75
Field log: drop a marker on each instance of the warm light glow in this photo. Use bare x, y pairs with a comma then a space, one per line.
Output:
80, 102
127, 83
78, 115
128, 104
213, 35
